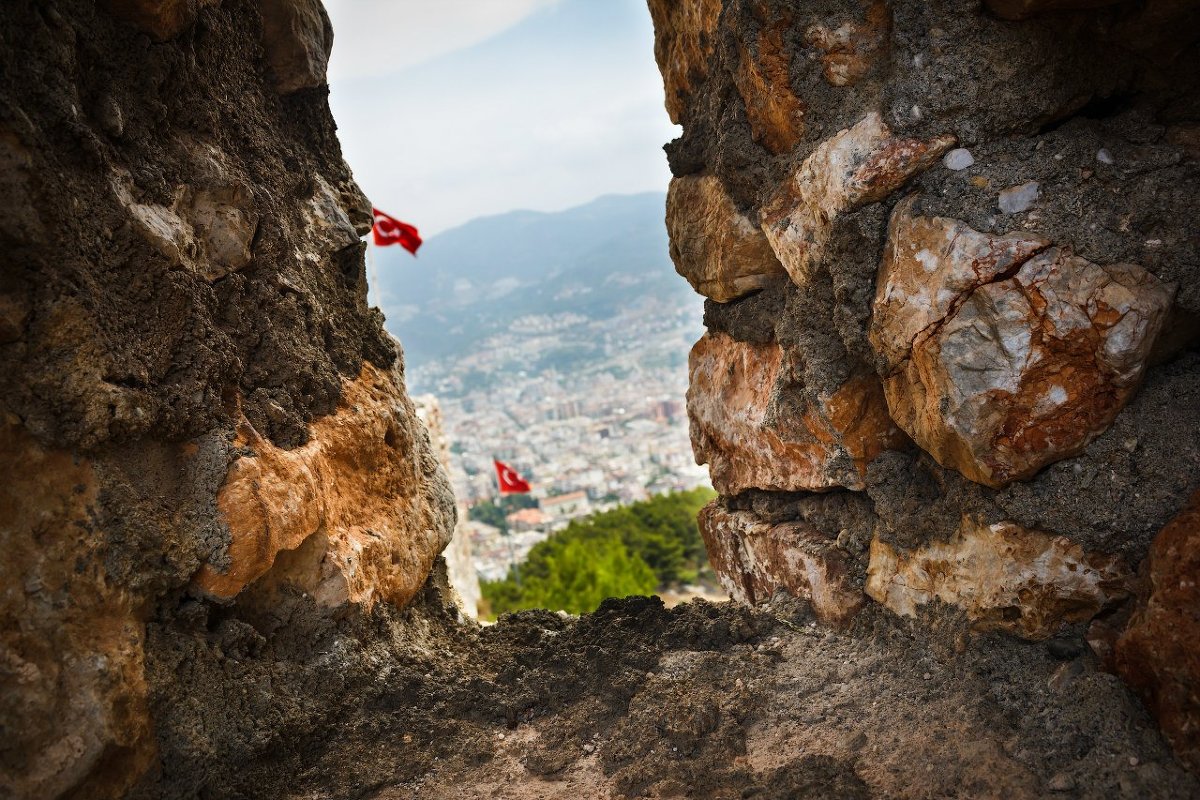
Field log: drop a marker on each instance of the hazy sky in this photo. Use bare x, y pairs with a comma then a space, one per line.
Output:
452, 109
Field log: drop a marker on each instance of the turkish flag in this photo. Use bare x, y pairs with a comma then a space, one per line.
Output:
510, 480
389, 230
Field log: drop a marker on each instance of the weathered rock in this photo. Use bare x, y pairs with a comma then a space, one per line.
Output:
208, 231
298, 39
998, 376
720, 252
754, 559
74, 713
859, 165
1158, 654
224, 226
929, 265
358, 487
745, 423
776, 115
683, 43
1003, 576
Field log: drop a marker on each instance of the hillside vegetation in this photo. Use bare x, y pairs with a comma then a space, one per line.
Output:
633, 550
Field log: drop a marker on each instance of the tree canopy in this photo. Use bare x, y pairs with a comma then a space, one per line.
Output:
635, 549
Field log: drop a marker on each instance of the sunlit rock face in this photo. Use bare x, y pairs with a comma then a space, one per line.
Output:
1158, 653
1004, 354
720, 251
749, 423
684, 39
754, 559
357, 485
1002, 575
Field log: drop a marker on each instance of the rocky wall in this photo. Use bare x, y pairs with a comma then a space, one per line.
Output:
953, 282
205, 440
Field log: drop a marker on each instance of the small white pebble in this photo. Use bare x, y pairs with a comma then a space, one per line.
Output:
926, 676
1133, 761
589, 748
1154, 243
1016, 199
499, 735
1103, 156
916, 113
958, 158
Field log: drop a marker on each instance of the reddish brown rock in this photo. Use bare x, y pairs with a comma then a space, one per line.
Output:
719, 250
859, 165
762, 79
754, 559
744, 426
683, 42
997, 374
1159, 653
1003, 576
71, 640
353, 495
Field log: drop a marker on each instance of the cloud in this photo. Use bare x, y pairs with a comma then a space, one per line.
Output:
380, 37
562, 107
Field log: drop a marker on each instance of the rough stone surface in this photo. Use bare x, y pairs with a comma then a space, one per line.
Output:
754, 559
860, 165
776, 116
1033, 309
683, 44
1157, 654
749, 424
194, 383
298, 38
719, 250
161, 19
1004, 356
357, 488
1002, 575
71, 647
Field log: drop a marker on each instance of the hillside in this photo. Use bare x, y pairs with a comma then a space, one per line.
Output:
475, 280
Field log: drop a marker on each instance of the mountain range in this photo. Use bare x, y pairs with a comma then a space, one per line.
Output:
474, 281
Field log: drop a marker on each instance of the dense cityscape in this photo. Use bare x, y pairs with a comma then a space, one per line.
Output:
591, 412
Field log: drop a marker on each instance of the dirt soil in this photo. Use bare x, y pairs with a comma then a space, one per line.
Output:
637, 700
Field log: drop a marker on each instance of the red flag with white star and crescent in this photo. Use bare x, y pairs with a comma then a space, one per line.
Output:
510, 480
389, 230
